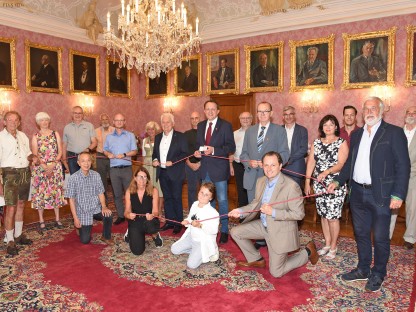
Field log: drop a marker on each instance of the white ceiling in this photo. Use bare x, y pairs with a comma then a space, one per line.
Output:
220, 19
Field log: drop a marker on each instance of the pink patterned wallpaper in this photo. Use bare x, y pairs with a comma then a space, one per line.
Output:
139, 110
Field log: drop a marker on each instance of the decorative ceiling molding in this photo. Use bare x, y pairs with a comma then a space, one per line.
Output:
220, 19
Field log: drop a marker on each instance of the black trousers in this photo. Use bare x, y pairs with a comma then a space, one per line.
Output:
85, 231
137, 231
241, 191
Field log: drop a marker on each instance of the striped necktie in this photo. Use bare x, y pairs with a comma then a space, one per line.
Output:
260, 138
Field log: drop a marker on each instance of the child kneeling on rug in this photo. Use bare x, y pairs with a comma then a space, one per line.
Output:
85, 191
199, 239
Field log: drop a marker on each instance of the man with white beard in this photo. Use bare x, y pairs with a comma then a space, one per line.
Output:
409, 130
378, 168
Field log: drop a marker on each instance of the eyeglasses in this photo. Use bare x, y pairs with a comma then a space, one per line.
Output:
120, 120
263, 112
246, 118
287, 115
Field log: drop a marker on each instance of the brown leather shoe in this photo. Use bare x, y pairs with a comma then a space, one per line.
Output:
11, 248
23, 240
408, 245
314, 257
255, 264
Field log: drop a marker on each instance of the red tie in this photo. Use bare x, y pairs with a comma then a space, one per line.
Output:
209, 133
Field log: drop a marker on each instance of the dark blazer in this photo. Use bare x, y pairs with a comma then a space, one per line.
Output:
389, 163
360, 67
45, 74
268, 74
190, 83
178, 149
222, 140
317, 71
298, 152
228, 76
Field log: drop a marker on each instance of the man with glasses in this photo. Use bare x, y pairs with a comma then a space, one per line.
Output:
236, 167
120, 146
79, 136
215, 138
258, 140
15, 156
297, 139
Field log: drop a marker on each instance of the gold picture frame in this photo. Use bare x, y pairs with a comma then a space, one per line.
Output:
117, 79
8, 80
41, 62
411, 59
157, 87
272, 57
312, 64
223, 72
84, 73
361, 71
190, 85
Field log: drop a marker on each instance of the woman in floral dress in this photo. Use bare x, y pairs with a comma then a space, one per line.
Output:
326, 159
47, 177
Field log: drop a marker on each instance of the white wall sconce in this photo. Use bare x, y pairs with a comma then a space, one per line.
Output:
169, 104
311, 100
5, 103
385, 93
87, 105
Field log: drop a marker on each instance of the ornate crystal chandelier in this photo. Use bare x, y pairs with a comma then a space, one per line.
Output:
152, 36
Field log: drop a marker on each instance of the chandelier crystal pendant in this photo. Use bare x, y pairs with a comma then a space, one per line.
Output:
152, 36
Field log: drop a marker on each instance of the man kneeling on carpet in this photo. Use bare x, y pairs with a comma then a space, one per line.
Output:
142, 210
276, 223
85, 191
199, 239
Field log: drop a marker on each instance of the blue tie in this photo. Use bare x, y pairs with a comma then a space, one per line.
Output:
260, 138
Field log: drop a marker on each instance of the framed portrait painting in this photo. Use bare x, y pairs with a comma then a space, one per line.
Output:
264, 68
117, 79
43, 68
411, 57
188, 78
223, 72
84, 73
8, 79
312, 64
369, 59
157, 87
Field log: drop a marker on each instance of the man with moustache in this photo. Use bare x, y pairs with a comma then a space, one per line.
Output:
236, 167
409, 130
192, 163
120, 146
215, 137
170, 146
103, 163
314, 71
378, 168
349, 114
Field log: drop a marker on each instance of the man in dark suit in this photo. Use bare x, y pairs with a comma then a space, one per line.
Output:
224, 76
215, 137
378, 167
117, 84
46, 76
190, 82
86, 80
367, 67
297, 139
170, 146
264, 75
258, 140
313, 71
277, 224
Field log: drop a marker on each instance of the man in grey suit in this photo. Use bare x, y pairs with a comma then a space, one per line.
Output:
277, 224
313, 71
258, 140
297, 139
367, 67
410, 234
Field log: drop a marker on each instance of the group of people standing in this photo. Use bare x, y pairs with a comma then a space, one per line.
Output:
371, 164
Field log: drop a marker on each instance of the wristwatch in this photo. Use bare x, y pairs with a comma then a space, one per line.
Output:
124, 154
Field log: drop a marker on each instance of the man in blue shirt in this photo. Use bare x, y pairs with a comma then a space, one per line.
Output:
87, 201
120, 146
276, 223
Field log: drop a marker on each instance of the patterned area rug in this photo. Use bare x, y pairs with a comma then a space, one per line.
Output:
23, 285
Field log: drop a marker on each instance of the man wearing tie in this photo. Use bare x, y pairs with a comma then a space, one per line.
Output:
264, 75
215, 138
224, 76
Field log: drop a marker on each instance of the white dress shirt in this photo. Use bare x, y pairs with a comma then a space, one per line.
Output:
164, 148
289, 134
239, 140
362, 172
